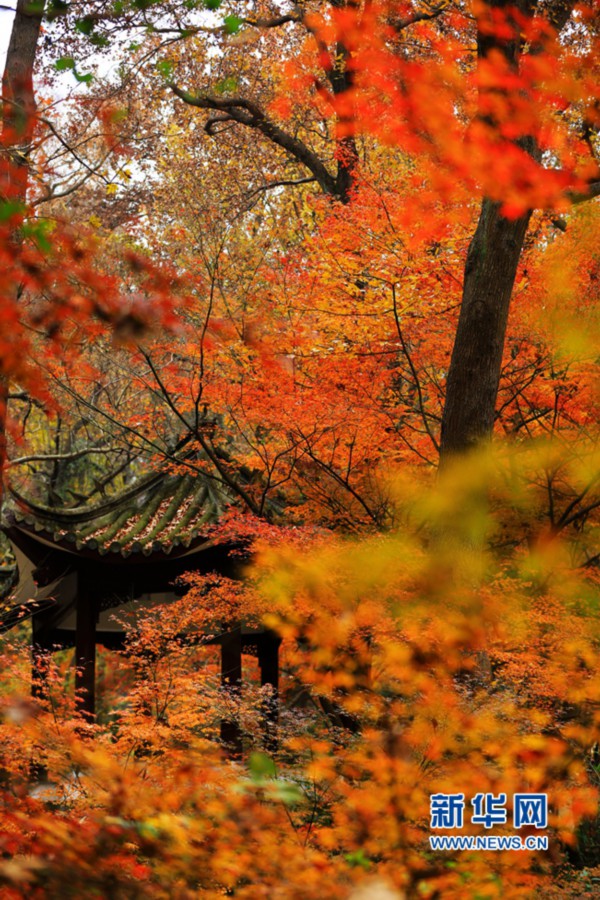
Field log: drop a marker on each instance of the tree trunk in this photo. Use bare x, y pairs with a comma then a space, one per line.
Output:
474, 374
18, 99
18, 122
490, 270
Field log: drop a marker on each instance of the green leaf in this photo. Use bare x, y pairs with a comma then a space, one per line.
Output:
165, 68
83, 79
118, 115
286, 792
227, 85
148, 831
38, 232
232, 24
11, 208
57, 8
358, 859
261, 766
212, 4
85, 25
65, 62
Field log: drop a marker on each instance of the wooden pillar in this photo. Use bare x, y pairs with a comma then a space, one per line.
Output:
85, 646
40, 649
231, 680
268, 660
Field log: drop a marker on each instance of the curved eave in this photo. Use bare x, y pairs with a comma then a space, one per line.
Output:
112, 554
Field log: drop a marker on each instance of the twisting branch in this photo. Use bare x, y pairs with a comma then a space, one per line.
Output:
246, 112
577, 197
399, 24
275, 22
213, 454
284, 183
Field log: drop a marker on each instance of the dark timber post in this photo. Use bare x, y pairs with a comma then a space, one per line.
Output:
268, 660
231, 679
40, 650
85, 647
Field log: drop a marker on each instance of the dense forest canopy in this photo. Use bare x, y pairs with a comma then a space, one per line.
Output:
339, 260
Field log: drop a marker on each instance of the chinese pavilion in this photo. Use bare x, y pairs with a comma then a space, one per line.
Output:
78, 564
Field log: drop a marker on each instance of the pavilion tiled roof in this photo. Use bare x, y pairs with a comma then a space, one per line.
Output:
161, 514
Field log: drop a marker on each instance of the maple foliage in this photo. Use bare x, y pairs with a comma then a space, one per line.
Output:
272, 305
363, 634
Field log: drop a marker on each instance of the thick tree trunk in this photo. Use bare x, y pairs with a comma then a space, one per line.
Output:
18, 98
18, 121
474, 374
490, 270
493, 257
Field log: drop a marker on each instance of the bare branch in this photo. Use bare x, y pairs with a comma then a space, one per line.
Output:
414, 372
577, 197
56, 457
275, 22
246, 112
399, 24
275, 184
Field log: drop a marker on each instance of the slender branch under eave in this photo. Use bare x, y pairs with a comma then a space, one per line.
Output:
58, 457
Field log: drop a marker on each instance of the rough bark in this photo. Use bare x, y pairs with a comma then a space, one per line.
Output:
18, 97
491, 266
489, 276
18, 121
474, 374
